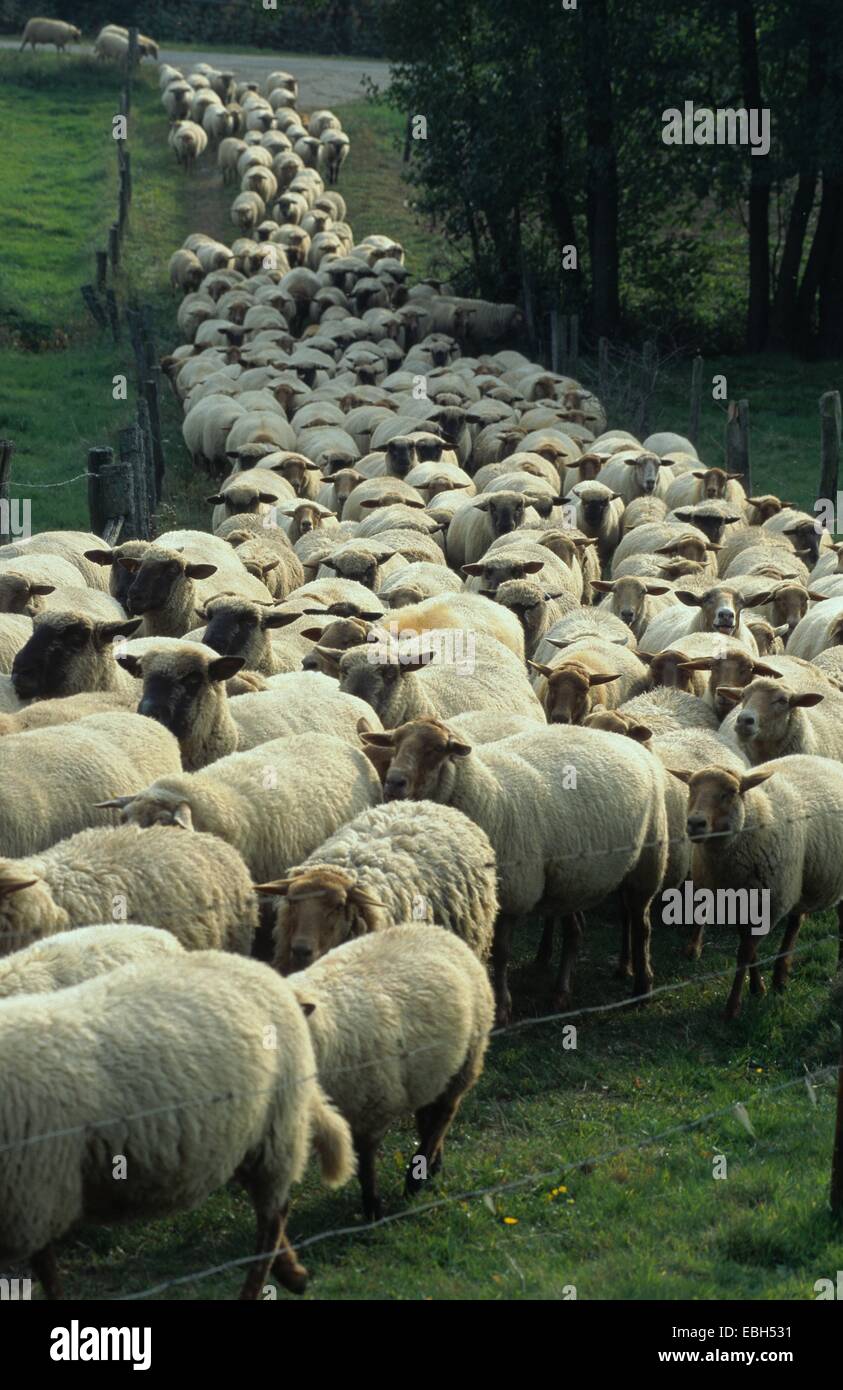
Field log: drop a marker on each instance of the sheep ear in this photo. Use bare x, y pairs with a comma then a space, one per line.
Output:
817, 598
42, 588
307, 1006
647, 657
714, 545
733, 477
225, 667
311, 633
216, 499
545, 671
472, 569
200, 571
372, 739
279, 886
370, 502
602, 679
759, 668
127, 563
806, 700
280, 619
183, 816
131, 664
684, 774
655, 590
603, 586
106, 632
533, 566
15, 885
732, 693
701, 472
753, 779
100, 557
117, 803
689, 597
456, 749
699, 663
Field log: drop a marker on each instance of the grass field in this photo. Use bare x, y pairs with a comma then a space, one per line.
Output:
606, 1145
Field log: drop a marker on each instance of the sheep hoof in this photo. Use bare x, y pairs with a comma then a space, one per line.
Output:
292, 1276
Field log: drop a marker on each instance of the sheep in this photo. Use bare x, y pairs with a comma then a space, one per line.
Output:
70, 545
666, 538
667, 710
705, 483
67, 710
599, 513
480, 522
253, 491
73, 766
54, 31
579, 677
773, 720
390, 864
25, 581
580, 623
700, 662
263, 555
771, 559
718, 609
366, 562
642, 511
570, 852
635, 601
57, 962
446, 672
254, 800
785, 837
192, 886
147, 47
333, 152
400, 1023
821, 627
239, 627
185, 271
114, 1046
416, 581
15, 634
471, 612
536, 610
184, 689
636, 473
804, 532
187, 139
555, 555
712, 518
170, 583
68, 653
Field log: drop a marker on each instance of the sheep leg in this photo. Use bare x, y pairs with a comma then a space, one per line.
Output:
366, 1172
640, 931
286, 1267
746, 952
544, 955
781, 969
45, 1268
571, 938
433, 1122
270, 1229
501, 950
624, 965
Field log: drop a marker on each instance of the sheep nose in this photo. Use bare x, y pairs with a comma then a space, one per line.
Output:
745, 721
560, 717
301, 956
627, 616
649, 485
395, 787
725, 618
696, 826
306, 526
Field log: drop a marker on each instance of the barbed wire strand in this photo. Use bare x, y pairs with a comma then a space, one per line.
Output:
212, 1098
511, 1185
106, 468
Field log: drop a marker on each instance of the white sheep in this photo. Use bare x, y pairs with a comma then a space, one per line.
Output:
54, 31
173, 1029
772, 719
57, 962
73, 766
820, 628
400, 1023
194, 886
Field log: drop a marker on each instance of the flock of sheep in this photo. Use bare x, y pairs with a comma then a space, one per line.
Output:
257, 743
112, 42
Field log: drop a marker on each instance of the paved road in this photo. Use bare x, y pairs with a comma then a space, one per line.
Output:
322, 81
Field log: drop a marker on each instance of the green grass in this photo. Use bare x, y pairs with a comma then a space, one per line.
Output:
650, 1221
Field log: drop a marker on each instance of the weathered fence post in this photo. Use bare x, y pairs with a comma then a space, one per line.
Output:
829, 444
114, 245
109, 493
147, 476
93, 305
113, 315
696, 400
102, 269
602, 367
131, 454
737, 442
7, 448
151, 391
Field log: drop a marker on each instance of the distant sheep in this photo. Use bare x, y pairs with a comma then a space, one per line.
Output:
57, 962
53, 31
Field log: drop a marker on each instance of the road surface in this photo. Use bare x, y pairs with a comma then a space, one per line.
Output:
322, 81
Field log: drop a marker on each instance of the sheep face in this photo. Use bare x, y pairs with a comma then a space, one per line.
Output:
669, 668
713, 482
497, 569
589, 467
805, 538
764, 507
359, 565
720, 608
646, 472
767, 710
716, 801
236, 627
505, 511
158, 578
712, 524
64, 654
306, 518
339, 636
411, 759
120, 578
178, 686
569, 691
372, 672
155, 806
400, 456
21, 595
687, 548
629, 598
734, 669
320, 909
790, 604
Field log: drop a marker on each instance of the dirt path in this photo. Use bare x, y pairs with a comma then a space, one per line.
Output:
322, 81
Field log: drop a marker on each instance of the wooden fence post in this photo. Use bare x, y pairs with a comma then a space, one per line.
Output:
146, 478
131, 454
102, 269
151, 391
109, 491
696, 400
829, 446
113, 315
114, 245
7, 448
602, 367
93, 305
737, 442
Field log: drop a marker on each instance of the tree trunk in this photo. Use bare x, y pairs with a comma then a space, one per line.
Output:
831, 288
602, 197
758, 315
819, 261
787, 288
